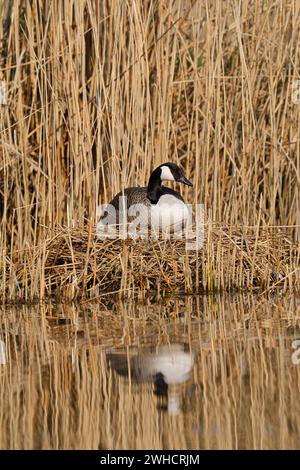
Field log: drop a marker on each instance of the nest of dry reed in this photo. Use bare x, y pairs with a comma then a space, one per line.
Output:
73, 264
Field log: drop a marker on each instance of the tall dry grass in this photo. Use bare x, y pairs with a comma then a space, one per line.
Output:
99, 93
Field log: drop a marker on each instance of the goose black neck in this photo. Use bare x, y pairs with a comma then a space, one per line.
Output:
154, 190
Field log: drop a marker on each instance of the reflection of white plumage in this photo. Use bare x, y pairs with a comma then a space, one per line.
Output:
171, 361
166, 366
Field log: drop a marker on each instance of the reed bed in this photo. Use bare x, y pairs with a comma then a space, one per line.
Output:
99, 93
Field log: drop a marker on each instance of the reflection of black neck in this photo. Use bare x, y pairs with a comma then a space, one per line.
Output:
154, 190
161, 387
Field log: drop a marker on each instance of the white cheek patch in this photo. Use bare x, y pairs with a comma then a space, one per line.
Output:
166, 174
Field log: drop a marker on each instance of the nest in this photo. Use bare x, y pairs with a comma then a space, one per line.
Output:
73, 264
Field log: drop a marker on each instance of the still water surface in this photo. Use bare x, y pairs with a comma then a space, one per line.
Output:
176, 373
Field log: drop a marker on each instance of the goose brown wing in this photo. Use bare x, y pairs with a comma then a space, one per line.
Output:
134, 195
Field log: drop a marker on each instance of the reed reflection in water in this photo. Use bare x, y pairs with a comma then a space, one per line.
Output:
180, 373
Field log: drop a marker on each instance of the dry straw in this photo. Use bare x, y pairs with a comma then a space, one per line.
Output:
99, 93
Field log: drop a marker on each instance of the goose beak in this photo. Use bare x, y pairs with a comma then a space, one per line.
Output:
184, 180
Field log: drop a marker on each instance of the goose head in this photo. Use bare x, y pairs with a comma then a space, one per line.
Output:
165, 172
172, 172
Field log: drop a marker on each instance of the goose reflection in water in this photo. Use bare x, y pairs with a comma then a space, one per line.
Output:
168, 367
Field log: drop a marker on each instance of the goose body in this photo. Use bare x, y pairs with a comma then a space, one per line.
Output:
173, 361
154, 206
168, 367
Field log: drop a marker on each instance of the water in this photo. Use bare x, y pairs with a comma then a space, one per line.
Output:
177, 373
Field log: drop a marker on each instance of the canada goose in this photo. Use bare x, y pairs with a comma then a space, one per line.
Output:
168, 366
155, 206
